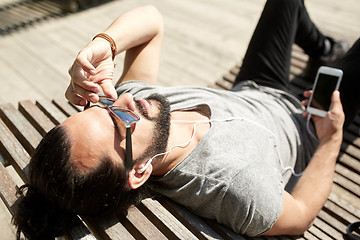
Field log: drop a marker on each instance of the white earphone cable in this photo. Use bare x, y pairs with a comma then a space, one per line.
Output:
308, 127
141, 170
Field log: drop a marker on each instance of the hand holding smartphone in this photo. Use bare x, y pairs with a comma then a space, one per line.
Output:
327, 81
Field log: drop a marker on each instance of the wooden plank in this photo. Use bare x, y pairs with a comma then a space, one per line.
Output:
16, 19
20, 127
225, 232
330, 225
51, 86
351, 163
345, 176
341, 214
310, 236
66, 107
349, 174
172, 228
51, 111
144, 225
183, 10
13, 151
60, 56
109, 228
10, 148
50, 6
350, 149
227, 81
21, 15
352, 138
318, 233
354, 128
80, 232
345, 199
36, 117
7, 189
347, 184
15, 81
192, 222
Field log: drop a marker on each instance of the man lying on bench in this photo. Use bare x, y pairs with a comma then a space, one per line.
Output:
225, 155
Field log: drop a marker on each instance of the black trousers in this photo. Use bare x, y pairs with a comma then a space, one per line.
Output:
267, 60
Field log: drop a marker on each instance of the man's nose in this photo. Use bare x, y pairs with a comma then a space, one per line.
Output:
126, 100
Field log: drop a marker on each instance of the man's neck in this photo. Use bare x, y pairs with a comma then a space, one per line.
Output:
182, 134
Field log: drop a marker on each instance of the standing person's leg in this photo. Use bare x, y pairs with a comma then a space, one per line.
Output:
283, 22
350, 85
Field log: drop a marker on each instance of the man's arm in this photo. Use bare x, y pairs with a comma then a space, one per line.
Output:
311, 192
139, 32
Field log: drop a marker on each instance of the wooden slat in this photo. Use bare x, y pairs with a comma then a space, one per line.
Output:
347, 184
110, 228
80, 233
173, 228
67, 108
51, 111
318, 233
13, 151
352, 138
20, 127
194, 223
310, 236
36, 117
349, 174
350, 149
20, 14
144, 225
340, 213
170, 220
336, 214
355, 126
225, 232
350, 162
330, 225
7, 189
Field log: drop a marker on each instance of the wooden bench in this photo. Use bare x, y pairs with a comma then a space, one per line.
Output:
22, 128
16, 15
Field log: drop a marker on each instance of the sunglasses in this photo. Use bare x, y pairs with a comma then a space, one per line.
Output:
126, 116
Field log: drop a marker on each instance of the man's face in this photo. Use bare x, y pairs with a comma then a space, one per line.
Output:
94, 133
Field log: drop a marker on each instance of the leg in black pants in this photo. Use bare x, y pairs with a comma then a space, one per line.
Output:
267, 60
350, 85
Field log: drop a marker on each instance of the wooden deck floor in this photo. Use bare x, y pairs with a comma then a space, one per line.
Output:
203, 40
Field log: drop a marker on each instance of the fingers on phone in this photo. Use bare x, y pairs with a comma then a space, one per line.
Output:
336, 101
307, 93
305, 102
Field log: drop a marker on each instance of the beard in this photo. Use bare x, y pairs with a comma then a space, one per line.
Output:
161, 129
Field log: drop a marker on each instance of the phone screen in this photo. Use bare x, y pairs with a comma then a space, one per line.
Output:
324, 88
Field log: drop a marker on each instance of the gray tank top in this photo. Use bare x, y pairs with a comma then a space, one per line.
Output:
235, 174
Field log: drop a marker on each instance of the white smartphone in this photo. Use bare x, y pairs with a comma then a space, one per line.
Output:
327, 81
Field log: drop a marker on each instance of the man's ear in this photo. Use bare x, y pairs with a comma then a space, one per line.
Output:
136, 179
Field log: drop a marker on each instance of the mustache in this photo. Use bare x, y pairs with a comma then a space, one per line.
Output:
164, 105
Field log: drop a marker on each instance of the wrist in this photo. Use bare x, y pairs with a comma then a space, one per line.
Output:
332, 143
333, 138
111, 41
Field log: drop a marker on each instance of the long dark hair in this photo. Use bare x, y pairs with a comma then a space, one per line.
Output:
56, 192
